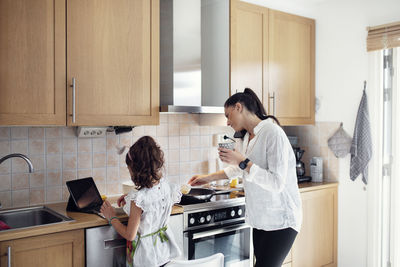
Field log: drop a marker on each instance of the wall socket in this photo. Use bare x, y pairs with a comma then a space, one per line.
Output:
85, 132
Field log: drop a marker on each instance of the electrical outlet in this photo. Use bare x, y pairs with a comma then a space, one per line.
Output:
85, 132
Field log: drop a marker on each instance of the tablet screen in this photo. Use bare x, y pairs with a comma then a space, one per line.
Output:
84, 192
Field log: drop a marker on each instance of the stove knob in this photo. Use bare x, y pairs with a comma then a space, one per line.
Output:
240, 212
202, 219
233, 213
192, 220
208, 218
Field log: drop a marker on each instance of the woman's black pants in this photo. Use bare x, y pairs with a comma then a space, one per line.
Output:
272, 247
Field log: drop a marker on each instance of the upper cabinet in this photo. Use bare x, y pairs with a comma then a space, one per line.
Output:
273, 53
92, 62
249, 48
113, 62
292, 68
32, 62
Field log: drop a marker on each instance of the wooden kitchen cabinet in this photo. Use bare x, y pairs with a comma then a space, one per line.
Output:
316, 244
110, 48
273, 53
113, 55
32, 62
291, 68
65, 249
249, 48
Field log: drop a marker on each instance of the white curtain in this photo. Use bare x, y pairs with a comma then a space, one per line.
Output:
395, 247
375, 100
376, 214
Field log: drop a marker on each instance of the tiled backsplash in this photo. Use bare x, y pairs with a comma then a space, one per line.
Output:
314, 140
58, 156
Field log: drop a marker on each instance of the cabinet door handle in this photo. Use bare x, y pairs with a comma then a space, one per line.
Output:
73, 99
273, 103
8, 256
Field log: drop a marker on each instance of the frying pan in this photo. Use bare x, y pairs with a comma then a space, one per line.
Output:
203, 193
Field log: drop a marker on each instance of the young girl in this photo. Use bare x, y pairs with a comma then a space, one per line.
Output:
149, 240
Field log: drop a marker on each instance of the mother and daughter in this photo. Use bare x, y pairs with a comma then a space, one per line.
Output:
263, 157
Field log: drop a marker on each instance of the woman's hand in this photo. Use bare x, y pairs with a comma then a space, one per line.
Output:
121, 200
107, 210
230, 156
199, 180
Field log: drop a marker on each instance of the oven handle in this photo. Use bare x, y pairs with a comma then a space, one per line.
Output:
219, 231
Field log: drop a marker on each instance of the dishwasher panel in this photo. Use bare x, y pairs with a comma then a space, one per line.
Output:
104, 247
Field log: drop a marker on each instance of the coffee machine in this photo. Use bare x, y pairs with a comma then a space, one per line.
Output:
300, 167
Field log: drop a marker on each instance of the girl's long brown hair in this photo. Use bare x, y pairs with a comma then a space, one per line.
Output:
146, 160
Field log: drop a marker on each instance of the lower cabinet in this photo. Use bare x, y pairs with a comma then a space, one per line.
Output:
65, 249
316, 244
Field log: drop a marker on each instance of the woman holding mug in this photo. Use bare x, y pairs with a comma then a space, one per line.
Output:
265, 160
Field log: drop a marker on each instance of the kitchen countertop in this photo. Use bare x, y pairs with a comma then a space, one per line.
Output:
85, 220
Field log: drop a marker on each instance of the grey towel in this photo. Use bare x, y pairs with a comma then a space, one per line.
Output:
361, 145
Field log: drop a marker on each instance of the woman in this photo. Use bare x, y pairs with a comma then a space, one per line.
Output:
265, 160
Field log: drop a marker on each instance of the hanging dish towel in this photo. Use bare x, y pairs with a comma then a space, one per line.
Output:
361, 146
340, 142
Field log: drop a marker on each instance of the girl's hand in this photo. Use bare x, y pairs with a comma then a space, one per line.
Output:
199, 180
121, 200
230, 156
107, 210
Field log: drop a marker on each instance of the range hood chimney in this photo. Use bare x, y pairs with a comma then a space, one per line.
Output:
194, 55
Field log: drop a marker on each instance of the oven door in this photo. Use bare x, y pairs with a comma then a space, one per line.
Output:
234, 241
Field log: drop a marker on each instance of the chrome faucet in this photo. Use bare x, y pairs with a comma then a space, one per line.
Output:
17, 155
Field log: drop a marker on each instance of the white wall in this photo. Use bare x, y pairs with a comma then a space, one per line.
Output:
341, 68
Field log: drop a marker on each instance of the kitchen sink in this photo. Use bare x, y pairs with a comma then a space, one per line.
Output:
31, 217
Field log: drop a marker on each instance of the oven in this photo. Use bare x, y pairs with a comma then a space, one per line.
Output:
218, 230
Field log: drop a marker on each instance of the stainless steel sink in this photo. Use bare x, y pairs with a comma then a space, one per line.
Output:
30, 217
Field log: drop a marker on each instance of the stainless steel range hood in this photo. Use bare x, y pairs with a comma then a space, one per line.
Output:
194, 55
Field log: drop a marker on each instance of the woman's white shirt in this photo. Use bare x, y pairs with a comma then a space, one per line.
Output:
272, 196
156, 204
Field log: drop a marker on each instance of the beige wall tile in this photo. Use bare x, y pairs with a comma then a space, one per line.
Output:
112, 160
70, 145
5, 199
195, 154
84, 145
173, 142
173, 169
69, 162
19, 146
162, 130
36, 147
38, 162
112, 175
162, 142
138, 131
69, 175
99, 175
65, 193
173, 155
55, 132
204, 130
150, 130
99, 144
5, 133
173, 130
84, 173
184, 142
195, 141
5, 148
53, 146
124, 174
114, 189
19, 165
125, 140
37, 179
184, 129
5, 182
53, 162
20, 181
54, 178
36, 196
112, 141
68, 132
53, 194
205, 141
20, 198
99, 160
5, 167
84, 160
185, 168
184, 155
194, 130
163, 118
19, 133
36, 133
